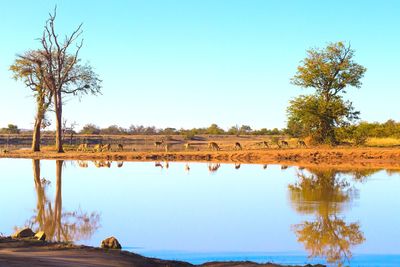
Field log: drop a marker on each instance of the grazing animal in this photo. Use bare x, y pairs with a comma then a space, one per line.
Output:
188, 146
301, 143
213, 167
237, 166
238, 146
284, 143
284, 167
120, 147
5, 151
214, 146
265, 144
106, 147
167, 147
120, 164
158, 144
82, 147
97, 148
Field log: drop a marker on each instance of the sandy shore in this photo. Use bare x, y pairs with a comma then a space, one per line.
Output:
39, 253
341, 158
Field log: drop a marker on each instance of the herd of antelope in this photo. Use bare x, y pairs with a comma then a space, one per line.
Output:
187, 146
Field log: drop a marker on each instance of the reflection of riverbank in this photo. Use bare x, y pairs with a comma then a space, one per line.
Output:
341, 158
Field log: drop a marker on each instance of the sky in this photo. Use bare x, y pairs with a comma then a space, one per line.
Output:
191, 63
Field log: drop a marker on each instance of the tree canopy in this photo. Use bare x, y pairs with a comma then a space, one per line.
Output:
329, 71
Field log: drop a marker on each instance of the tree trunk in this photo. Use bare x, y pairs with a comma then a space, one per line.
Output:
58, 109
58, 200
36, 135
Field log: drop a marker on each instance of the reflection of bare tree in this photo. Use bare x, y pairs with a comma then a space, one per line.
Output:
59, 225
325, 194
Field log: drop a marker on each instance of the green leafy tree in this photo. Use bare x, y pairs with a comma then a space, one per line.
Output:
330, 72
90, 129
215, 129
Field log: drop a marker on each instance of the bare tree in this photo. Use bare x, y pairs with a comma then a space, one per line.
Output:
64, 75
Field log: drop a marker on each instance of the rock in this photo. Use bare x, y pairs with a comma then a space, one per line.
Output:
111, 243
26, 232
40, 236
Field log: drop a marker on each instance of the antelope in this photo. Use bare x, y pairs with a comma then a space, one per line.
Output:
167, 147
106, 147
301, 143
188, 146
158, 144
284, 167
120, 164
238, 146
82, 147
120, 147
265, 144
284, 143
213, 167
97, 148
237, 166
214, 146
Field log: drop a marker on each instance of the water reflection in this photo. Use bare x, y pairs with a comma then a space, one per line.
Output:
59, 225
325, 193
213, 167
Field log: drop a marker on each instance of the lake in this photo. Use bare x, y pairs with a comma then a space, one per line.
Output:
200, 212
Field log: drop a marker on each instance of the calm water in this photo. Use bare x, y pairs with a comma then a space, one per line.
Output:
201, 212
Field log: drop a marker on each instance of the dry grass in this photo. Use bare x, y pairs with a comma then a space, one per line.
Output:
383, 142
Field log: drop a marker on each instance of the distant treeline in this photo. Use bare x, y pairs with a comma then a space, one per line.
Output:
361, 130
213, 129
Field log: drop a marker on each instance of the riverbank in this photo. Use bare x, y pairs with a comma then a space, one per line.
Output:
340, 157
20, 252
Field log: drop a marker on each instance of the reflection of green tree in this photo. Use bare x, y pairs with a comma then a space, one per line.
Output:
57, 224
325, 194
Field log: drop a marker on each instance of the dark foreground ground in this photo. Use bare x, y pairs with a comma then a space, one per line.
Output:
38, 253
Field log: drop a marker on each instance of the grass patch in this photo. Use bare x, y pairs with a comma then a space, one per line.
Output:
383, 142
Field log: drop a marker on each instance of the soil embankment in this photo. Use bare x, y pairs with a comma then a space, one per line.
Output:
40, 253
344, 157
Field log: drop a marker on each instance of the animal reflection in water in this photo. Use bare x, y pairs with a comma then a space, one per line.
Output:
59, 225
213, 167
325, 194
237, 166
83, 163
187, 167
265, 166
102, 163
158, 164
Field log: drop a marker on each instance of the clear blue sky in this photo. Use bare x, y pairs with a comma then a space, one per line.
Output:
190, 63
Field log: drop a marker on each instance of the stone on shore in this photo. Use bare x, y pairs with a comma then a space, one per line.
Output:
23, 233
110, 243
